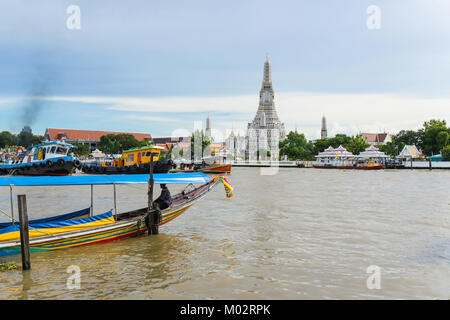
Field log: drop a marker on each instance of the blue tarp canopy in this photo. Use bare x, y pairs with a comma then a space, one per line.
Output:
159, 178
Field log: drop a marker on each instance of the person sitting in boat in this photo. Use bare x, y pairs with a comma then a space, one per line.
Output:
164, 200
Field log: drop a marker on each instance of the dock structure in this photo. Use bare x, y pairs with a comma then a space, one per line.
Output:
423, 165
264, 164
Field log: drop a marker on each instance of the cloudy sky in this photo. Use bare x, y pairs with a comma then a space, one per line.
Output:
160, 66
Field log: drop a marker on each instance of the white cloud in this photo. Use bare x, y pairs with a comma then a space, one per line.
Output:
345, 113
151, 118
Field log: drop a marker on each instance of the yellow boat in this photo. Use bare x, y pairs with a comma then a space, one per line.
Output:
133, 161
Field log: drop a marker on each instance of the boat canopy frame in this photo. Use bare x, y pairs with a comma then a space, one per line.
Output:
119, 179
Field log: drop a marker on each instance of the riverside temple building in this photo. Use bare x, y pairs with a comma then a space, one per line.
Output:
266, 130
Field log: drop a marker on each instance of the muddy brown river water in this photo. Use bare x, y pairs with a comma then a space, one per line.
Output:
299, 234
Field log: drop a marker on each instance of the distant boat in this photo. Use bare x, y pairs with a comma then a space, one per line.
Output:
208, 165
132, 161
46, 159
213, 168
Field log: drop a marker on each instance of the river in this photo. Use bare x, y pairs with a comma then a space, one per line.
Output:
298, 234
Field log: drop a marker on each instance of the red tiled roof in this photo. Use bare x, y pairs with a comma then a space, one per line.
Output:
374, 137
90, 135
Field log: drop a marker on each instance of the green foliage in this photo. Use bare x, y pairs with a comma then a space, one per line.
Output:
27, 139
357, 144
7, 139
8, 266
430, 139
117, 143
81, 150
24, 139
198, 139
446, 153
435, 136
297, 147
339, 139
390, 149
442, 138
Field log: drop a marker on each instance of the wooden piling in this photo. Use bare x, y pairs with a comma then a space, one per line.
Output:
24, 235
153, 227
150, 184
91, 213
115, 201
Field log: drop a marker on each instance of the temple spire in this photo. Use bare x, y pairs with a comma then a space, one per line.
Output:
267, 79
323, 131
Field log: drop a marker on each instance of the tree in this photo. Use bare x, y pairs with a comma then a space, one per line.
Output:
297, 147
404, 137
442, 139
390, 148
357, 144
7, 139
435, 136
81, 149
117, 143
408, 137
338, 140
446, 153
27, 139
199, 142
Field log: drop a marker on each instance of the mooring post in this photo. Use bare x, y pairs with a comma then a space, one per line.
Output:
153, 214
92, 201
115, 201
24, 235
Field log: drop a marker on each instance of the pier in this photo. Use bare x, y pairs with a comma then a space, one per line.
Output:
264, 164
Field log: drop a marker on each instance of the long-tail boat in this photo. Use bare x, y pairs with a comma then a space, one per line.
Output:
77, 229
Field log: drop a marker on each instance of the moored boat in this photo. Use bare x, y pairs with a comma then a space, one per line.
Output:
133, 161
216, 168
108, 226
207, 165
340, 158
46, 159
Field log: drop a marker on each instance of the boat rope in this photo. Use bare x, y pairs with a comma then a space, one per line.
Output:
1, 211
31, 227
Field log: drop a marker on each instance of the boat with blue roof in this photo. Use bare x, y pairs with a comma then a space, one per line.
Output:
50, 158
83, 227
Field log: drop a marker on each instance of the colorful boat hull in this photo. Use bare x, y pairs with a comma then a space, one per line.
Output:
62, 166
160, 166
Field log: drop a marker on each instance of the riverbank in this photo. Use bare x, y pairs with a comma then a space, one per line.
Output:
309, 164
